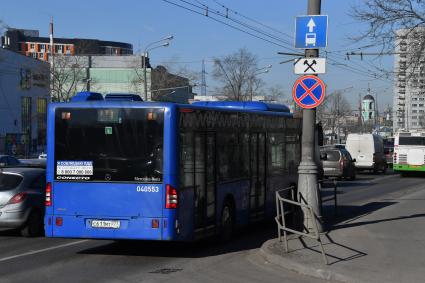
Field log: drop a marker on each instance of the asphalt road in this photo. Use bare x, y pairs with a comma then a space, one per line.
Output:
65, 260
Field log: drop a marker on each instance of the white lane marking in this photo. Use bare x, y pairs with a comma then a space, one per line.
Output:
42, 250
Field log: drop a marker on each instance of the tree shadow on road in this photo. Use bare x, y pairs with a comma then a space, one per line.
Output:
346, 215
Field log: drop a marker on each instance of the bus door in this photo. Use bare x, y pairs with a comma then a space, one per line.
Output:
258, 175
204, 181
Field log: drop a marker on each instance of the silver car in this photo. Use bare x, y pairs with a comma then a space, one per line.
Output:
22, 196
7, 160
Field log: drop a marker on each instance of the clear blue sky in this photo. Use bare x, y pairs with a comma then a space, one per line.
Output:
197, 37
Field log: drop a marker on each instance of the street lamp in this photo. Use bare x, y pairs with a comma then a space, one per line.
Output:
173, 90
263, 70
148, 48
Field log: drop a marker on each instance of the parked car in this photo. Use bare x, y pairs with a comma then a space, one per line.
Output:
8, 160
34, 162
337, 162
22, 197
368, 150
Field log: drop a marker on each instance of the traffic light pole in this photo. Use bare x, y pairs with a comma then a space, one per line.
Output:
307, 181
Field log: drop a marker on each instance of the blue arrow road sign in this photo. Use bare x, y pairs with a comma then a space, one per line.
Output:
311, 32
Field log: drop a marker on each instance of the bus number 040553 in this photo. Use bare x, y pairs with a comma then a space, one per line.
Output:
147, 189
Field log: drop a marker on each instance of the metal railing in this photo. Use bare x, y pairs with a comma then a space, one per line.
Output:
335, 193
281, 222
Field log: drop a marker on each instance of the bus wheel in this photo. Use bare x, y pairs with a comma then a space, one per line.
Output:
226, 224
34, 225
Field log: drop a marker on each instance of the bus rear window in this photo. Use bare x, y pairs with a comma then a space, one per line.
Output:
109, 144
411, 141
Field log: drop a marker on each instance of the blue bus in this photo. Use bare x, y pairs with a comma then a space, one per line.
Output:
124, 169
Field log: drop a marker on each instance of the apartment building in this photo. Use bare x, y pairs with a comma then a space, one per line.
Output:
409, 89
29, 43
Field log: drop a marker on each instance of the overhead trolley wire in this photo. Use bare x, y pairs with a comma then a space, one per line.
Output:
361, 70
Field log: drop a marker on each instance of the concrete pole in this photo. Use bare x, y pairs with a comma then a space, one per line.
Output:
145, 84
307, 170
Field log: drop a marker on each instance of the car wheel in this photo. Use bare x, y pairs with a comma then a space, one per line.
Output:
226, 223
34, 225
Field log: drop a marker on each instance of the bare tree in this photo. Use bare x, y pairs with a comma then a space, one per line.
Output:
237, 73
68, 74
333, 112
276, 93
391, 19
164, 78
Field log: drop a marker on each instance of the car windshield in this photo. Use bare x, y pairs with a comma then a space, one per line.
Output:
9, 181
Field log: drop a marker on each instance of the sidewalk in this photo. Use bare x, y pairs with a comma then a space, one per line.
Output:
385, 244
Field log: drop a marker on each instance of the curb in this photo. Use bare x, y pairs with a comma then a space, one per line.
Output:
301, 268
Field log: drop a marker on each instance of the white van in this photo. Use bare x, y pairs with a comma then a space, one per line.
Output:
368, 150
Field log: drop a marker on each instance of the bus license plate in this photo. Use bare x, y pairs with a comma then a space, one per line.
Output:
112, 224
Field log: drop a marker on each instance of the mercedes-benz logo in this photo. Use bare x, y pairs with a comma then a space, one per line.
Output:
108, 177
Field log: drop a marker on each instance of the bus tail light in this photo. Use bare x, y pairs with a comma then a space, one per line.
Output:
48, 201
19, 197
395, 157
171, 197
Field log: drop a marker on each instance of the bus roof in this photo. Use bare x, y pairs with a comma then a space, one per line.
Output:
94, 99
240, 105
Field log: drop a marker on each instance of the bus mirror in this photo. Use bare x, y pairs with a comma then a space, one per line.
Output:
354, 160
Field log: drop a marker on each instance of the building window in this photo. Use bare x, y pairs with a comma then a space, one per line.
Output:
414, 105
414, 111
42, 47
41, 55
26, 115
421, 105
41, 121
59, 48
34, 55
32, 46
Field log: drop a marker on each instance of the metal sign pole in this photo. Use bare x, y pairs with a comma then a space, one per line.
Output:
307, 181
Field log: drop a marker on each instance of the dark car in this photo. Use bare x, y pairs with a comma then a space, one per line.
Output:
22, 197
337, 162
389, 152
8, 160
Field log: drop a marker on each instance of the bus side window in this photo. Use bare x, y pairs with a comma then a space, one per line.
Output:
277, 153
228, 156
244, 143
187, 167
